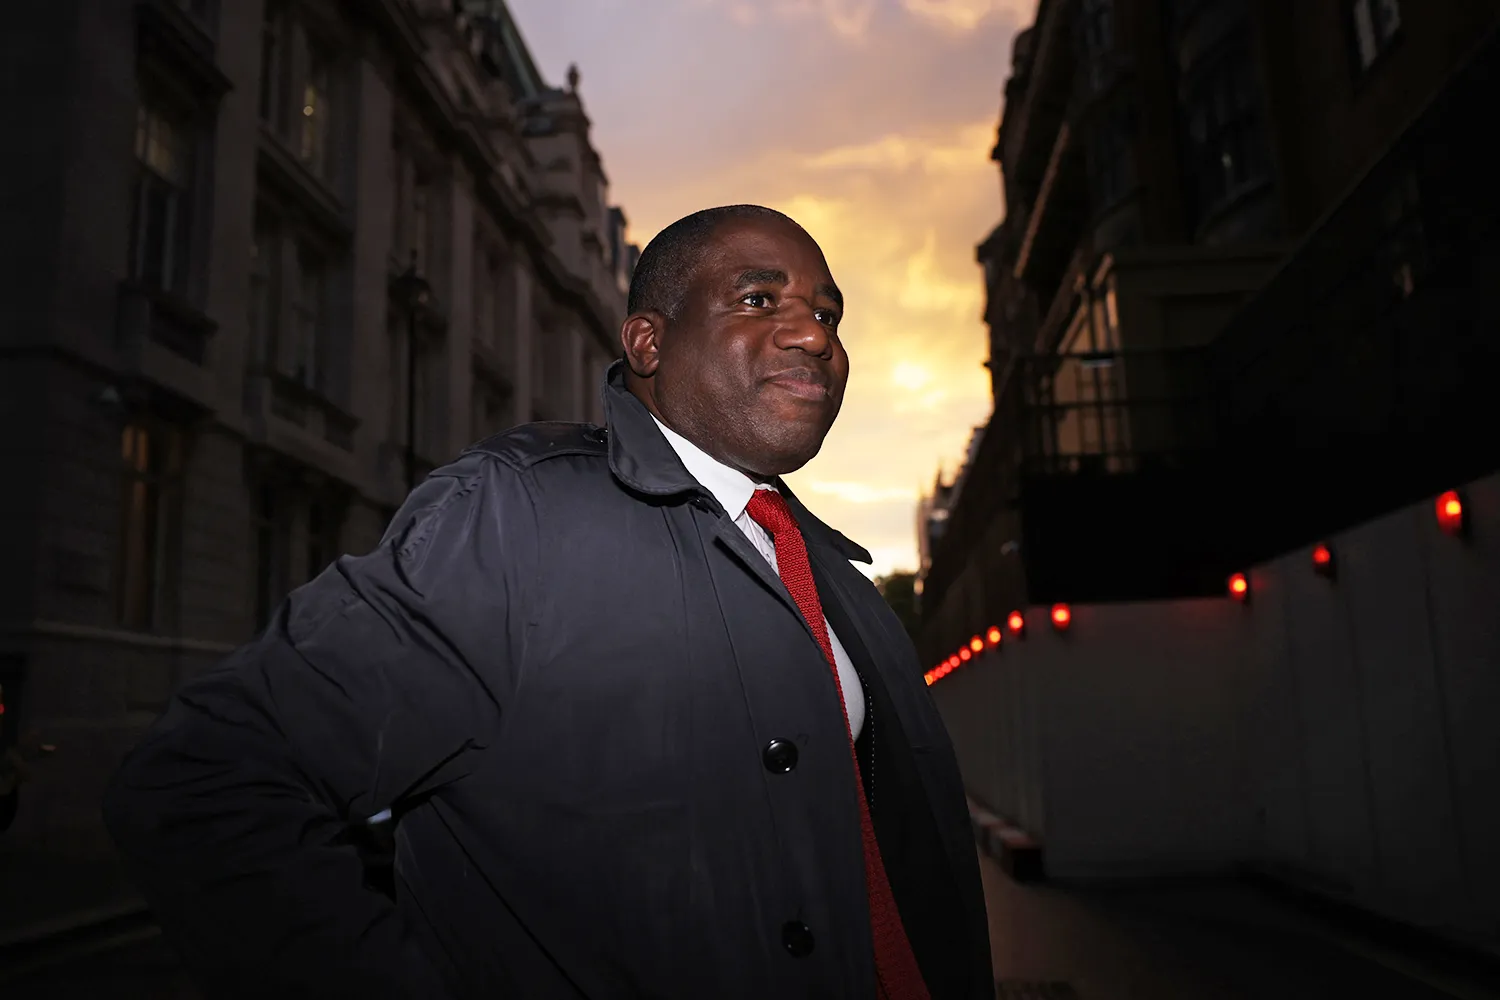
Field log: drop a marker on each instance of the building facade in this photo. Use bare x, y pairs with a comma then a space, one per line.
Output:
1161, 161
280, 257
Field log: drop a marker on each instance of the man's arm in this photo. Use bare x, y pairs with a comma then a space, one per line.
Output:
236, 811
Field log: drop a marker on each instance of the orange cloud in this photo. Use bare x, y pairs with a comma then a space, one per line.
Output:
966, 15
848, 18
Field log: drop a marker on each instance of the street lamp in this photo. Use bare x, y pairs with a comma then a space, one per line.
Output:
414, 291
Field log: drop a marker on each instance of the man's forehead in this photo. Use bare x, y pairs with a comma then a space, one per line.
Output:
744, 245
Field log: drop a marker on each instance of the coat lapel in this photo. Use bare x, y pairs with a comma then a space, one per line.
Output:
728, 535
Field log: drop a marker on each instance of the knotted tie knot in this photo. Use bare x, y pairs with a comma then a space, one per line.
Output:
769, 509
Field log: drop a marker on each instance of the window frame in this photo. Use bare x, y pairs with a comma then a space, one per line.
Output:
298, 341
1097, 41
267, 286
308, 316
161, 122
294, 514
272, 550
149, 544
1113, 172
301, 93
1224, 82
275, 66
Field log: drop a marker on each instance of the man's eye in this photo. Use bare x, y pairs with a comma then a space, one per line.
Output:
757, 300
827, 317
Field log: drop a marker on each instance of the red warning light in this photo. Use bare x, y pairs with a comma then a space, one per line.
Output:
976, 644
965, 655
1062, 617
1016, 623
1239, 587
1322, 560
953, 662
1450, 513
994, 635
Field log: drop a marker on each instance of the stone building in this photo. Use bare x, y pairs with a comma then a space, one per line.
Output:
1163, 161
267, 260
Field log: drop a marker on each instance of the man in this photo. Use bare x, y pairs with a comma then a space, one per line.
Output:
599, 684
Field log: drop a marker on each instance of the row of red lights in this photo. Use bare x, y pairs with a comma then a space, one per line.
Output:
1061, 617
1450, 518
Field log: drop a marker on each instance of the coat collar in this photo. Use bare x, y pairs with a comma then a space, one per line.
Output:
641, 458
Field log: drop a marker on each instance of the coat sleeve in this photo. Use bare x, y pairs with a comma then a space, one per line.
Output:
239, 814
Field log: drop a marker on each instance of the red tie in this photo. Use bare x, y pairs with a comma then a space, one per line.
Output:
896, 969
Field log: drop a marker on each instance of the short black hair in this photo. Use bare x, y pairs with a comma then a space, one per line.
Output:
667, 264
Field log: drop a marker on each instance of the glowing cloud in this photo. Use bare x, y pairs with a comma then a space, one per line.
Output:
966, 15
849, 19
861, 492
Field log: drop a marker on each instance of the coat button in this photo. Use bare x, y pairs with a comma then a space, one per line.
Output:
797, 938
780, 756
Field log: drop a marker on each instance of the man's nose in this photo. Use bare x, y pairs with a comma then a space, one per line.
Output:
801, 329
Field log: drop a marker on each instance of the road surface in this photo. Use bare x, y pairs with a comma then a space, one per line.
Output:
1204, 941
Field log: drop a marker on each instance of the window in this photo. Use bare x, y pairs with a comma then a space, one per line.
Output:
297, 322
316, 111
399, 201
291, 521
1111, 158
159, 251
429, 427
273, 65
397, 383
1096, 38
484, 296
151, 454
309, 319
1226, 144
418, 223
419, 234
273, 540
1375, 25
298, 79
415, 384
490, 325
1403, 245
265, 290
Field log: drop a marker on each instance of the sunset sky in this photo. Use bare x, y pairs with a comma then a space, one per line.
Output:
868, 121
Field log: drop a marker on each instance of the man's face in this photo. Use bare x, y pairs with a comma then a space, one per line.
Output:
751, 370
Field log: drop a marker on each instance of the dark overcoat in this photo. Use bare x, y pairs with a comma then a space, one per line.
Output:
519, 750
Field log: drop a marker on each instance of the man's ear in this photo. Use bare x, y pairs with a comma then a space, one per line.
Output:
641, 337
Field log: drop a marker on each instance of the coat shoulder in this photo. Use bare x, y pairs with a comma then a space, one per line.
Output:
526, 445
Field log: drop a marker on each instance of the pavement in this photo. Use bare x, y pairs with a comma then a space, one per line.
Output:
54, 887
1203, 940
1212, 940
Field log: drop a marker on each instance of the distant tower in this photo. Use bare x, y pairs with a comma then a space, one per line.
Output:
573, 78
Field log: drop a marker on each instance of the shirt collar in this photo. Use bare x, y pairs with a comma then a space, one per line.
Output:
731, 487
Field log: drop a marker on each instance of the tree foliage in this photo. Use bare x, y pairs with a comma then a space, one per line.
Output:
900, 592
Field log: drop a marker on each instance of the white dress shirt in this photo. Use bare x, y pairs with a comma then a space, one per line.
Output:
733, 489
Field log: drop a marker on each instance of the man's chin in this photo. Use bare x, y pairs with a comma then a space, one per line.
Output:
789, 453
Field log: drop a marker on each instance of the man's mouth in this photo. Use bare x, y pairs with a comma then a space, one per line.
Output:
805, 383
